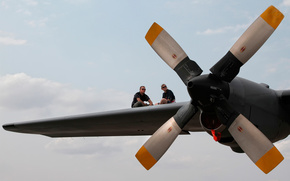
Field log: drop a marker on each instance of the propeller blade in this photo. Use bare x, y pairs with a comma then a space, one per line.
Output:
252, 141
255, 144
248, 44
161, 140
170, 51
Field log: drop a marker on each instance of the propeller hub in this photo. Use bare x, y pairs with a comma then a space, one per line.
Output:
204, 89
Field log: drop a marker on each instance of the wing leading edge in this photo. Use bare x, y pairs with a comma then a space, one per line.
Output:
126, 122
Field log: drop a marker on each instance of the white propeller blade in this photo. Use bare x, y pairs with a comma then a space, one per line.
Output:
171, 53
248, 44
158, 143
257, 34
165, 46
161, 140
255, 144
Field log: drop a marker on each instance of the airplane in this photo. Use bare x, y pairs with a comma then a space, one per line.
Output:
244, 115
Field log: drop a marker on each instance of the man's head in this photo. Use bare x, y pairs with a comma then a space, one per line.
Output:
163, 87
142, 89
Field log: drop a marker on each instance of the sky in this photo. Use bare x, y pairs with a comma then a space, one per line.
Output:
70, 57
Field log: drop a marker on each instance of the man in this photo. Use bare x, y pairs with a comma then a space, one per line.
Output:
167, 96
140, 97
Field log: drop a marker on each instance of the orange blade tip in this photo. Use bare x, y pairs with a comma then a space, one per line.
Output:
272, 16
153, 33
145, 158
270, 160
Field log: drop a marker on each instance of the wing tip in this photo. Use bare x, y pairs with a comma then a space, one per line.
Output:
9, 127
153, 33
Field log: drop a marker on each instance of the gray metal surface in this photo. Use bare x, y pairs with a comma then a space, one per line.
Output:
132, 121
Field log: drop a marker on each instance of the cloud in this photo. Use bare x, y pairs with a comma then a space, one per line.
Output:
283, 63
25, 12
31, 2
20, 92
286, 2
26, 98
4, 4
38, 23
93, 147
77, 2
223, 29
11, 41
284, 147
83, 146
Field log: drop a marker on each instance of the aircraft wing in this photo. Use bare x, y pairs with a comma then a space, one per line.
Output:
126, 122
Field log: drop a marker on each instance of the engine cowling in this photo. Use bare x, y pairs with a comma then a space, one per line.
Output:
209, 121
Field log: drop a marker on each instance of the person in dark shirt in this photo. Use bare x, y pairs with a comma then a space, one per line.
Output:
140, 97
167, 96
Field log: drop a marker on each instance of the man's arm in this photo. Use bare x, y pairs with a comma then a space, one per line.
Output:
171, 96
139, 100
150, 102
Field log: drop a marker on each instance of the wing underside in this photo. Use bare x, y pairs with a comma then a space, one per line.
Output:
126, 122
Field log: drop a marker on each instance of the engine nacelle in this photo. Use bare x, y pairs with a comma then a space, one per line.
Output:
209, 121
213, 126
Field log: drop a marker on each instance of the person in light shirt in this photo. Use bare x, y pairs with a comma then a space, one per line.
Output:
167, 96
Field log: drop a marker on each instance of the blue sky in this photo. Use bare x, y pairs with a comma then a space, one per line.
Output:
76, 56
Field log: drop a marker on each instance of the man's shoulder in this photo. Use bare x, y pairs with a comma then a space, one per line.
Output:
137, 94
145, 97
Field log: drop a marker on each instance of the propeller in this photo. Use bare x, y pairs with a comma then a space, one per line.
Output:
161, 140
172, 54
211, 92
252, 141
248, 44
